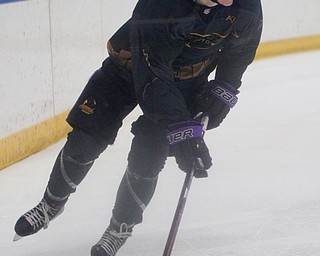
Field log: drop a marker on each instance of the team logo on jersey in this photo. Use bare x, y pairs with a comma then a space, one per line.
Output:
88, 106
203, 42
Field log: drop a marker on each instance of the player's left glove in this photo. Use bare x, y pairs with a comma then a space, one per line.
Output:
188, 147
216, 100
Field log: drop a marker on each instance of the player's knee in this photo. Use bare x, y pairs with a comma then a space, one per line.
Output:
149, 142
135, 175
83, 147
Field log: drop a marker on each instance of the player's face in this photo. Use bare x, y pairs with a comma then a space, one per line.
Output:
211, 3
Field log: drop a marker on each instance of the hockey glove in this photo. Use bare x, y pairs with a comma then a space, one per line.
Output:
216, 100
188, 147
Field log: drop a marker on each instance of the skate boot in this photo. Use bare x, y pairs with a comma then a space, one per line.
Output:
35, 219
111, 240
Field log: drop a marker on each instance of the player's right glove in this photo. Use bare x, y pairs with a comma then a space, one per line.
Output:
188, 147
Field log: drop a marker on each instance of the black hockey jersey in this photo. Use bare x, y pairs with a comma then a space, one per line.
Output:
170, 40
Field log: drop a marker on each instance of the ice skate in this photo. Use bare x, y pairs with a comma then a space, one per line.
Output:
35, 219
111, 241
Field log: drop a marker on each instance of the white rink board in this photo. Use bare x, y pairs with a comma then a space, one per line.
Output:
49, 49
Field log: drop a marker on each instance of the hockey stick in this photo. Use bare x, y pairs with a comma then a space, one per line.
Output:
181, 204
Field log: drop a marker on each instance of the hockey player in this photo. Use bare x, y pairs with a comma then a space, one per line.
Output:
160, 59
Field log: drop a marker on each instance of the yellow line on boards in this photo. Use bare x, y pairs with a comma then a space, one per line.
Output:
288, 46
28, 141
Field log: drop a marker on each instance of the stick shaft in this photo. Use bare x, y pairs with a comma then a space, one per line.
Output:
178, 214
181, 203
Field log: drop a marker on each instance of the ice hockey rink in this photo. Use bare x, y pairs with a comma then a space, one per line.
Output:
262, 197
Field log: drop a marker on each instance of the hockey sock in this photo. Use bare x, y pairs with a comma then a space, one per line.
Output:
134, 194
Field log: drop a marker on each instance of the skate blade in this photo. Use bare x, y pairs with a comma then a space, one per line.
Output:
17, 238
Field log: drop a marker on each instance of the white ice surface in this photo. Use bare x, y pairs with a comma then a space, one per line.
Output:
262, 197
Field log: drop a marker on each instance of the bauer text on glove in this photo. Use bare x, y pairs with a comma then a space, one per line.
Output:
188, 147
216, 100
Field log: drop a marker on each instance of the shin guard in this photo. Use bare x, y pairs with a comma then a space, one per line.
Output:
72, 165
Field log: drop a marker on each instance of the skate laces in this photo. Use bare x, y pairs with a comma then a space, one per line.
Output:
112, 240
40, 215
